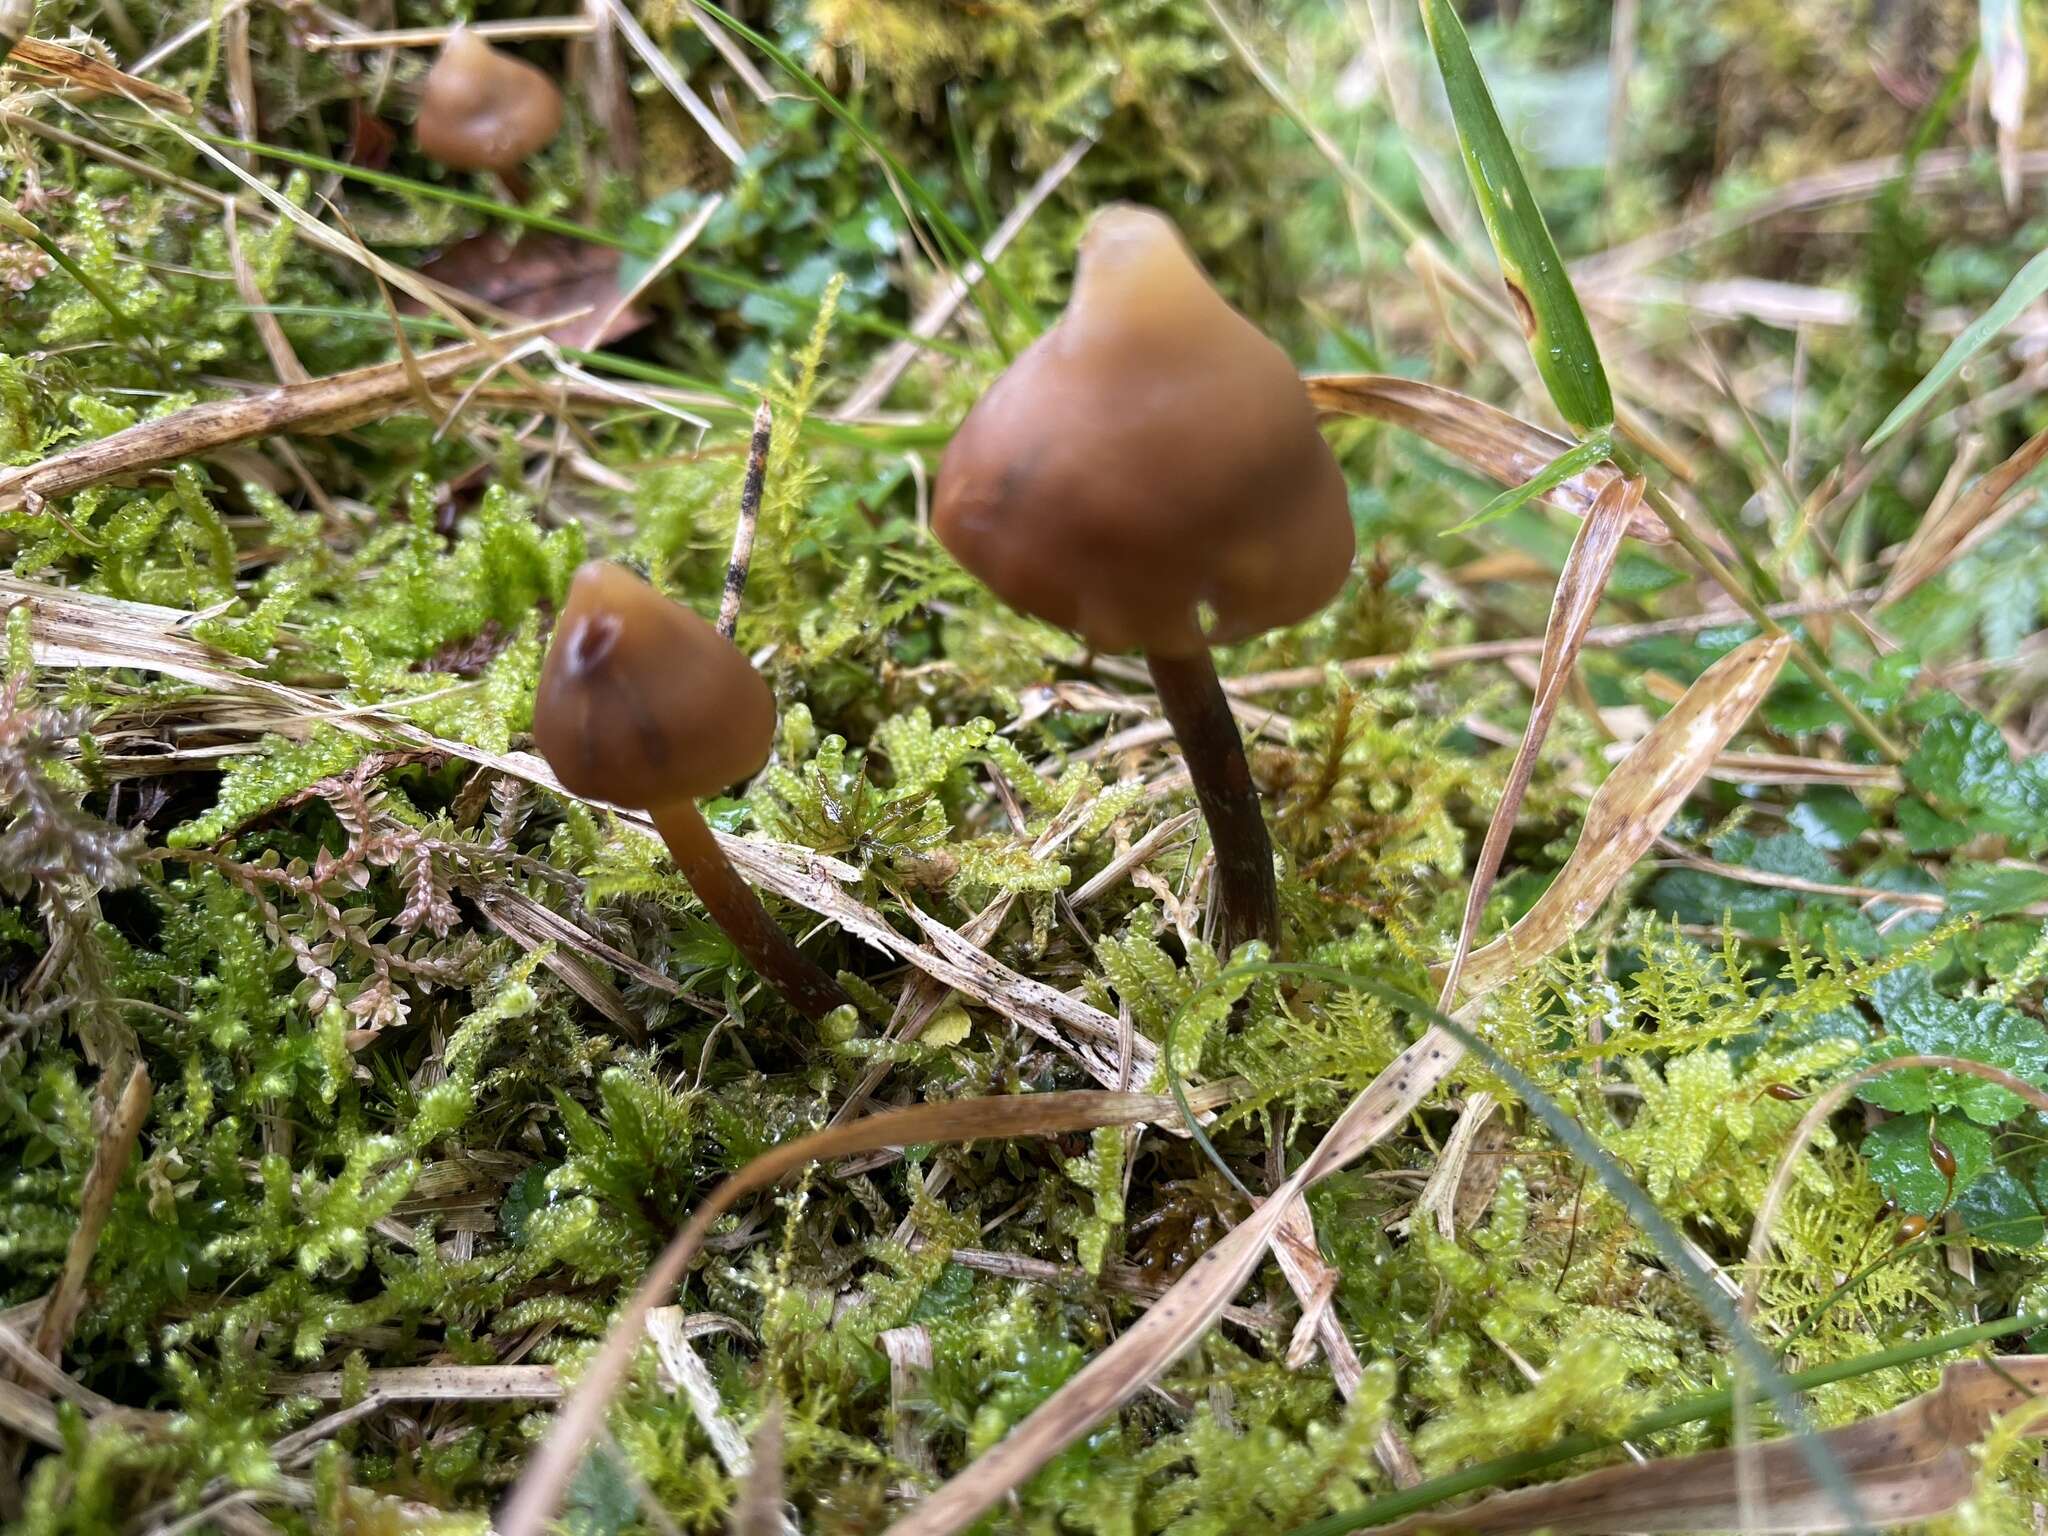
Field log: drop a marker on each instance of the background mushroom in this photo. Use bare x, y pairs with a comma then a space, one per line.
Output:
481, 109
644, 704
1148, 473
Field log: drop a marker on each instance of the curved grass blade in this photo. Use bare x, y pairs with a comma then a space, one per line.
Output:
1548, 308
1572, 461
1633, 805
2027, 285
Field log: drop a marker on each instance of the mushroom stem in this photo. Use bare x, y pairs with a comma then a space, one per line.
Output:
1248, 904
740, 915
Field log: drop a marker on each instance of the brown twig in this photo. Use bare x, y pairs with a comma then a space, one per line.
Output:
742, 558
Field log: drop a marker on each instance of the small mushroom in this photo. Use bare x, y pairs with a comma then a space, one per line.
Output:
481, 109
1148, 473
644, 704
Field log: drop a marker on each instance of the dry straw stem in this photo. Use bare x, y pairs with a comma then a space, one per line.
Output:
433, 37
1625, 816
539, 1491
1607, 636
742, 557
119, 1124
95, 75
433, 1384
1910, 1464
323, 405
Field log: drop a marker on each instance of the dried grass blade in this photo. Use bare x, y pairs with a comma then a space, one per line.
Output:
89, 73
120, 1120
758, 1510
1580, 586
1939, 541
1628, 811
540, 1487
323, 405
1909, 1464
1502, 447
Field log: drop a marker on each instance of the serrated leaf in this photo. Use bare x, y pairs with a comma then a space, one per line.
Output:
1963, 760
1992, 890
1918, 1021
1552, 321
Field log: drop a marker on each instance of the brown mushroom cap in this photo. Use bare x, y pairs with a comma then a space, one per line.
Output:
1150, 456
641, 702
484, 110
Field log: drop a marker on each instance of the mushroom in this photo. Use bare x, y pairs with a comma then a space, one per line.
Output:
1148, 473
484, 110
644, 704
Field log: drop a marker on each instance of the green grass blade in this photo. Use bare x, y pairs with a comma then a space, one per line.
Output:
1555, 325
2028, 286
1579, 457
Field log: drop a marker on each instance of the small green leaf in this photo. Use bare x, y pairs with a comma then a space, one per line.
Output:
2029, 285
1559, 338
1902, 1166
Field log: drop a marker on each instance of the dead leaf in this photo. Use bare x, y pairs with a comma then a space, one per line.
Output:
1940, 541
1580, 586
1628, 811
537, 277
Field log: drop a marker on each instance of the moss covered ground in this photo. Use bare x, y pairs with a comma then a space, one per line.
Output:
351, 1077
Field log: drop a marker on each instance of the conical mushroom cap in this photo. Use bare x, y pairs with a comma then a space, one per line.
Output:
1150, 457
484, 110
641, 702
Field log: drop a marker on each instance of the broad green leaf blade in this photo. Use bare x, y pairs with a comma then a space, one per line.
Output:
2028, 286
1555, 326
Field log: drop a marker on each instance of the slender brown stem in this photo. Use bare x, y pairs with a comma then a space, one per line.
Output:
740, 915
1248, 905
